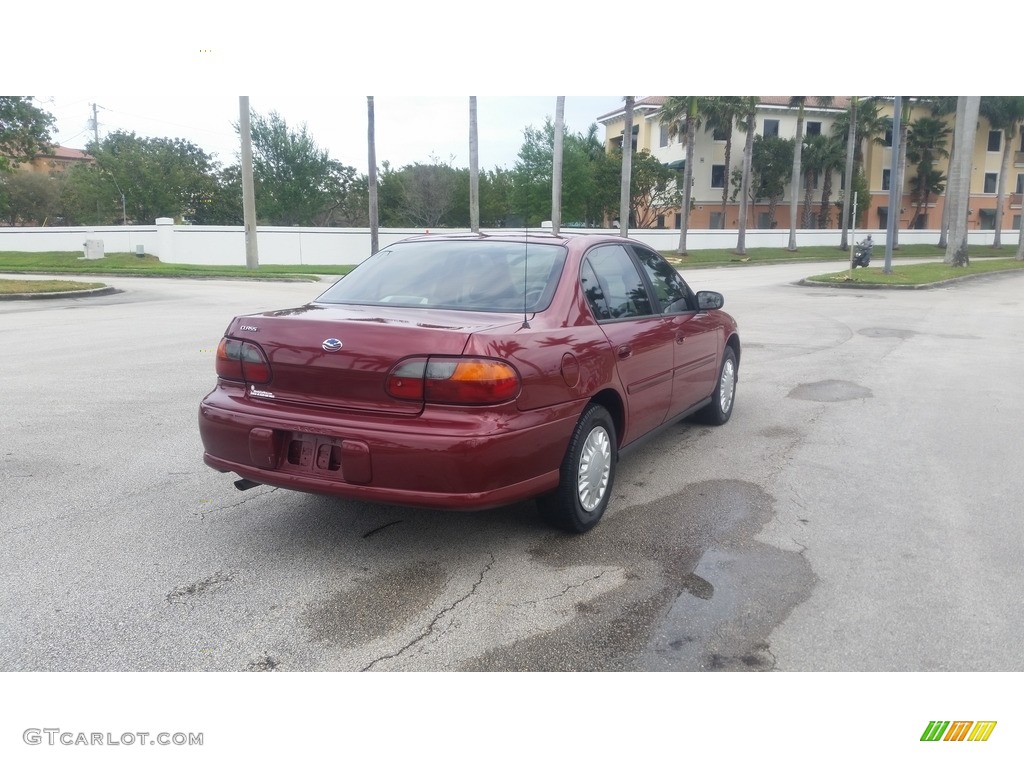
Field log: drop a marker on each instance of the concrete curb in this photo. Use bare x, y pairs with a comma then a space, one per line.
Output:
923, 286
87, 293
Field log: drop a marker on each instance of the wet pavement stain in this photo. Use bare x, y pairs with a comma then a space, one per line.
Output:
887, 333
265, 663
209, 584
354, 616
674, 613
830, 391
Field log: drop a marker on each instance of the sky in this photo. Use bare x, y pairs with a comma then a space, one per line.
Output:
409, 128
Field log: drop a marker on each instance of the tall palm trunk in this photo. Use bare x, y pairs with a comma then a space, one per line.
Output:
371, 145
794, 186
953, 160
851, 150
900, 171
748, 154
556, 171
627, 168
966, 127
728, 162
474, 169
691, 141
1004, 170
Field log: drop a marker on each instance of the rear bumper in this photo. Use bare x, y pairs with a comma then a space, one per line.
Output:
444, 458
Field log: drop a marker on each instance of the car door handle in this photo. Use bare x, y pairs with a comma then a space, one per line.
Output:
624, 351
680, 338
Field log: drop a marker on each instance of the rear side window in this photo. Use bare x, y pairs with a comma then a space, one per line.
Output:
612, 284
480, 275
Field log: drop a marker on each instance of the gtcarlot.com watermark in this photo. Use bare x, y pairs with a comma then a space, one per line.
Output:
56, 736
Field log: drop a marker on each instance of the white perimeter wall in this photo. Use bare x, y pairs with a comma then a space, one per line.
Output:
335, 245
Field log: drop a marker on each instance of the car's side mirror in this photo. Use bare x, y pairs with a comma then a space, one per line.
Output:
710, 300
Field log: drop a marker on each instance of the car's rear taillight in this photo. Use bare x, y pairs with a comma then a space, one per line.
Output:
454, 380
242, 361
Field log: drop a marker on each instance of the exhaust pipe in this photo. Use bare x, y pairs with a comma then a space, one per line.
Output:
245, 485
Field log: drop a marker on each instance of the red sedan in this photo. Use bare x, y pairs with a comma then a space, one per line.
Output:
472, 371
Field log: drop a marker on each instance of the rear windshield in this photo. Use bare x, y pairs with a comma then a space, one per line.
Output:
483, 275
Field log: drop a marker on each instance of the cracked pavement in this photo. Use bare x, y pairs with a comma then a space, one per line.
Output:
851, 516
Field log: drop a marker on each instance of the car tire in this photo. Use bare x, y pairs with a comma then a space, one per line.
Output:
719, 410
586, 475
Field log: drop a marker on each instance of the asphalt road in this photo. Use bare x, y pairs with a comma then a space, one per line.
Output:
859, 512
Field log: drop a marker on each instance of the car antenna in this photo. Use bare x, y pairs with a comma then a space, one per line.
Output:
526, 263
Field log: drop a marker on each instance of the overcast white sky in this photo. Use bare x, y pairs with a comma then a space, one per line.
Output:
409, 129
178, 71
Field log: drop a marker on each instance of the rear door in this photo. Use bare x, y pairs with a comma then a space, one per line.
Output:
641, 338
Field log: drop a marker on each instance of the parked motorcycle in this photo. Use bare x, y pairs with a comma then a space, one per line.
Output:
862, 253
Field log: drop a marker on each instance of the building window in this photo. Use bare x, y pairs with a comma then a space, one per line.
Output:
990, 183
771, 128
813, 128
1016, 222
717, 221
987, 218
679, 221
994, 140
717, 176
763, 222
886, 173
883, 217
888, 136
921, 222
661, 221
1020, 183
719, 134
663, 137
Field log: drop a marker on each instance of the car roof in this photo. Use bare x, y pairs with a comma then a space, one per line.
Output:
517, 236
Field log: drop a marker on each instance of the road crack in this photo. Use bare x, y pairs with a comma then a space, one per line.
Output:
433, 623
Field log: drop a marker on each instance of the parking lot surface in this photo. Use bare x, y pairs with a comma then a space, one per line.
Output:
859, 511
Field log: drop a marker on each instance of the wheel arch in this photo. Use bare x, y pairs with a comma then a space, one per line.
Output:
612, 402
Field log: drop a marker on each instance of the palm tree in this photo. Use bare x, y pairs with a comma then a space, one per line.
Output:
799, 102
556, 171
627, 168
900, 167
960, 179
851, 150
747, 124
371, 144
474, 169
941, 107
685, 110
1004, 113
829, 154
926, 143
720, 116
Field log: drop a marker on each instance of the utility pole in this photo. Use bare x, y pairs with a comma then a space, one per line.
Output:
248, 197
95, 125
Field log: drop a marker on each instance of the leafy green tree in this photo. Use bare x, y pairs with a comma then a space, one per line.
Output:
588, 186
88, 197
159, 177
28, 198
771, 164
297, 183
653, 191
24, 131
